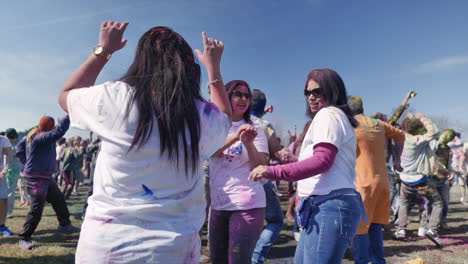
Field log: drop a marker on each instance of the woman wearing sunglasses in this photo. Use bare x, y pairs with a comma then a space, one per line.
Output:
330, 208
237, 204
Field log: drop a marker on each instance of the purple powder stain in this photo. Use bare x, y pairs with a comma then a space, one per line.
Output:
209, 107
108, 221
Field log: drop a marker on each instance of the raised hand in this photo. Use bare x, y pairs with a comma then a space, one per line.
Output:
111, 35
292, 137
212, 52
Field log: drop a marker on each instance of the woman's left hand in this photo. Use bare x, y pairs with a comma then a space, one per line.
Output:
259, 173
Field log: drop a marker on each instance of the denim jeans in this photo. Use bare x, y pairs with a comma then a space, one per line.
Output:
275, 219
443, 186
330, 227
393, 191
369, 247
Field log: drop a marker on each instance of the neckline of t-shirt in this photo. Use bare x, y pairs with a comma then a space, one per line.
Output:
238, 123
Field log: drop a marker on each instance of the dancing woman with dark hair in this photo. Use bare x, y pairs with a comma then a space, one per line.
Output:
330, 207
237, 204
148, 203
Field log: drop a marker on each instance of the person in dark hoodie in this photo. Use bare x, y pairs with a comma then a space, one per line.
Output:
37, 152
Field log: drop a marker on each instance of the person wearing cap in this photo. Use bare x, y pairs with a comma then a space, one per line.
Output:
273, 213
37, 152
14, 170
372, 181
6, 153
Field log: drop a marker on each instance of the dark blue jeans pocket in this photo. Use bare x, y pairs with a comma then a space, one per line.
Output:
303, 212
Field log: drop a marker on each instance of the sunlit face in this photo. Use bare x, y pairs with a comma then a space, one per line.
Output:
240, 100
314, 96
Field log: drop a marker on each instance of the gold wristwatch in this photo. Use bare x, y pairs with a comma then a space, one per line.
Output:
101, 51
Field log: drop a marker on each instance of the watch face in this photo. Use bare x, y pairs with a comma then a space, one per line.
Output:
98, 50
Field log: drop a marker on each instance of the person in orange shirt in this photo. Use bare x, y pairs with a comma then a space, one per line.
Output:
372, 182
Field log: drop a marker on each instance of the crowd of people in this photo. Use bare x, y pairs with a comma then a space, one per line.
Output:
164, 160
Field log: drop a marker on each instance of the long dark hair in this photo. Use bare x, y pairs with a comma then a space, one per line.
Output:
231, 86
166, 83
334, 91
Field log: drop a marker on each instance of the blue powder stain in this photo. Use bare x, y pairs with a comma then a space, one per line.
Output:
148, 192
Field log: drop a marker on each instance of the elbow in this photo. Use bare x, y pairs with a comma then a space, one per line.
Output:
62, 101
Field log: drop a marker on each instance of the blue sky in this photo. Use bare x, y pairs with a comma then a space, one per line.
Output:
381, 49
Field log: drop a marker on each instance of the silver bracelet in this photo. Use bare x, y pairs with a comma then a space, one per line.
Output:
213, 82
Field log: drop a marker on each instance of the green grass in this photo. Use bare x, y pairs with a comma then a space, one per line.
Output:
50, 246
56, 248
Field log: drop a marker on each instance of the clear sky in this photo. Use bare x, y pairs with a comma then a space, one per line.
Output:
381, 49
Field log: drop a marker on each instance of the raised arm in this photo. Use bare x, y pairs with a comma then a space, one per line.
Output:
231, 139
400, 110
110, 41
56, 133
256, 157
211, 58
393, 133
430, 127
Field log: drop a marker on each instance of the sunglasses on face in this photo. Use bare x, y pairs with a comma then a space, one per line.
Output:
315, 92
239, 94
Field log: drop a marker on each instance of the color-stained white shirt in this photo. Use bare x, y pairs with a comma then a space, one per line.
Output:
229, 184
143, 209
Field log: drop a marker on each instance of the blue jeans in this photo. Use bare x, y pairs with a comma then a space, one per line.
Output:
369, 247
329, 228
275, 219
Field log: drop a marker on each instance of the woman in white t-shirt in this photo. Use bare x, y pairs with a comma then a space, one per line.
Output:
330, 207
237, 204
155, 127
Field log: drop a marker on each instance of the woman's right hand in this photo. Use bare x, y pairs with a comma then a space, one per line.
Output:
212, 52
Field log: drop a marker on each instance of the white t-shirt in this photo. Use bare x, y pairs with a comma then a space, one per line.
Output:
229, 184
330, 125
143, 209
4, 143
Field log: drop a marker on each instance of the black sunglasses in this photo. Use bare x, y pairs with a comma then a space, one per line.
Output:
315, 92
240, 94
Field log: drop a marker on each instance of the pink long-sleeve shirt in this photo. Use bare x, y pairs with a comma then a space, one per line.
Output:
321, 161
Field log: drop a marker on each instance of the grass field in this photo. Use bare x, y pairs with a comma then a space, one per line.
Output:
56, 248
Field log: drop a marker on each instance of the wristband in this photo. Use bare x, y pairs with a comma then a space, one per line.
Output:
214, 81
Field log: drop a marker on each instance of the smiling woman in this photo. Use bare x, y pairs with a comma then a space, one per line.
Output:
325, 173
237, 204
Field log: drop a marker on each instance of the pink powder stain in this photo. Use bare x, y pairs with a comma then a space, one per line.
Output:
457, 242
